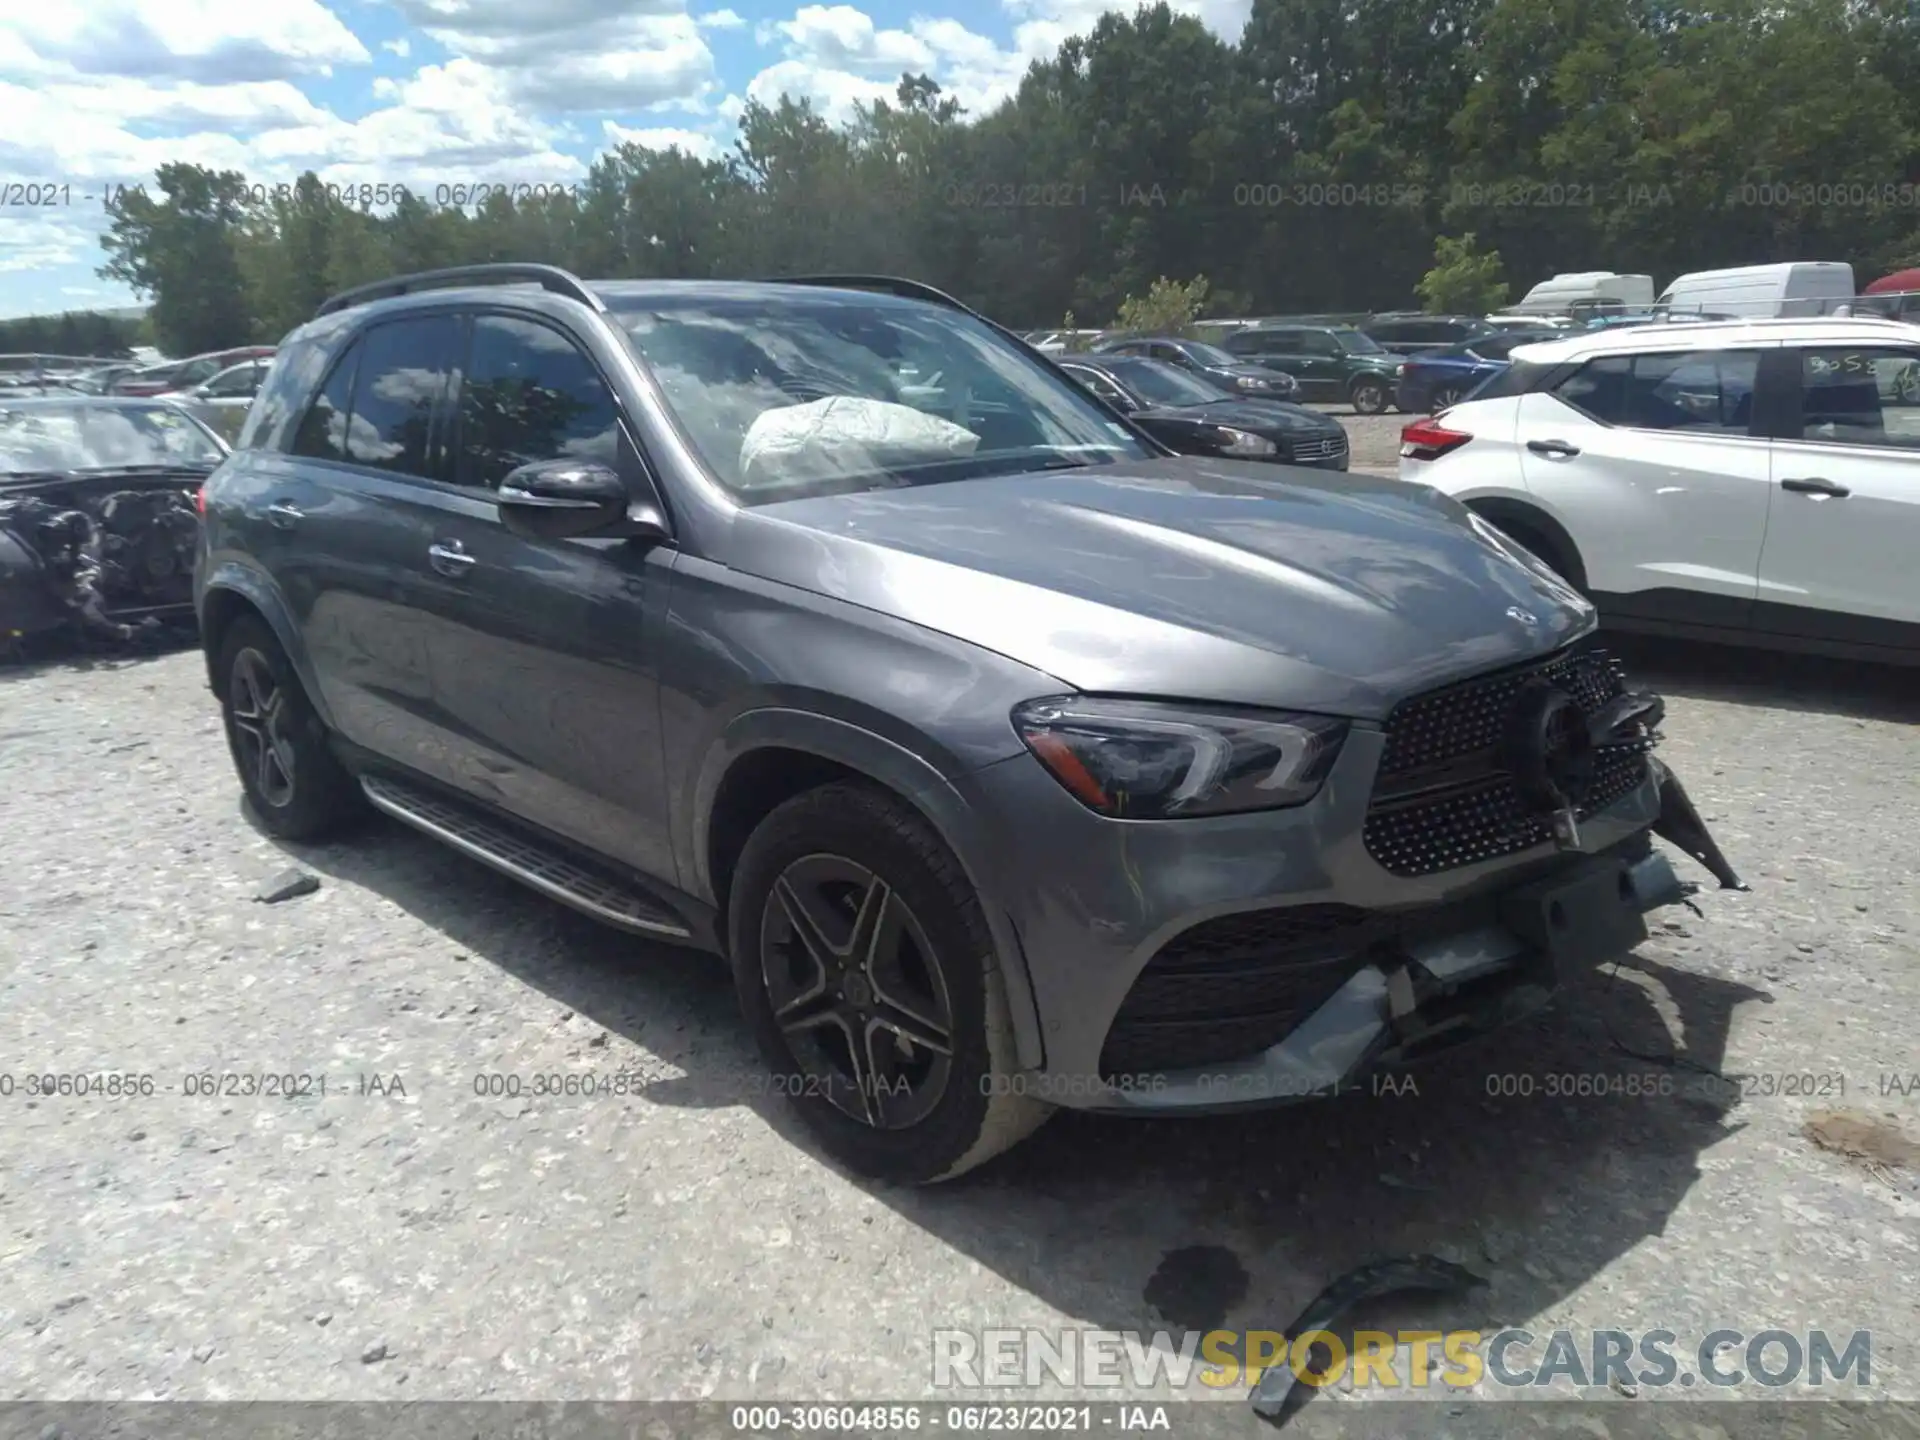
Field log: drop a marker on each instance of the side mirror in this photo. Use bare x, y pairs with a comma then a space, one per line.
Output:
565, 499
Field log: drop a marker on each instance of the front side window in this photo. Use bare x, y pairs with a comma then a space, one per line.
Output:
1853, 395
1317, 342
827, 393
402, 375
530, 394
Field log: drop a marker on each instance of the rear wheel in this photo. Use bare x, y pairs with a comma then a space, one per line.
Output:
865, 970
1446, 397
1369, 396
292, 778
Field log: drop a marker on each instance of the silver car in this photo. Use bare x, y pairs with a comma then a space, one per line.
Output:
223, 400
1011, 760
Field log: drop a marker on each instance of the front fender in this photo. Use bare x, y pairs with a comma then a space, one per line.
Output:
901, 770
229, 580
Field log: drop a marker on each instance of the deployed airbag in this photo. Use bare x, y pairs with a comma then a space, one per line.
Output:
845, 435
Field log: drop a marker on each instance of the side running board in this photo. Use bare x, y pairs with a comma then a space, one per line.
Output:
542, 867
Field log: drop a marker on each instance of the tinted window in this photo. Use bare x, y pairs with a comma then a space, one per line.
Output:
1702, 390
1357, 342
288, 380
1317, 342
402, 375
530, 394
1259, 342
1852, 396
323, 431
1161, 384
1519, 378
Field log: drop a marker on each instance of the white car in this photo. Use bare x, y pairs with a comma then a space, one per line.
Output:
1755, 481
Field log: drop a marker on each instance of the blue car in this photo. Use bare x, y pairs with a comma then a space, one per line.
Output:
1430, 383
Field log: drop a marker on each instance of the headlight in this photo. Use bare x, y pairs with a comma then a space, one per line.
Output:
1245, 443
1144, 760
1250, 382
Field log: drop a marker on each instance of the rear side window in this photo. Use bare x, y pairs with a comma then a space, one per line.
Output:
530, 394
399, 383
322, 434
291, 377
1708, 391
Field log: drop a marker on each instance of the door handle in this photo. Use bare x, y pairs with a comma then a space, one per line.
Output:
1553, 447
1816, 485
449, 558
283, 516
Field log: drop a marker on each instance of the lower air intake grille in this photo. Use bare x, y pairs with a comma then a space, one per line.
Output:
1232, 987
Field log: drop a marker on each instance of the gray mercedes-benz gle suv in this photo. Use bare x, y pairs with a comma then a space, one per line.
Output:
1012, 761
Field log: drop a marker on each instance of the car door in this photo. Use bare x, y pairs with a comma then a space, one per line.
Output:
1843, 532
345, 502
1654, 465
541, 650
1315, 362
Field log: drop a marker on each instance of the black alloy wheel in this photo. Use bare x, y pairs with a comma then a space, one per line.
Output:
257, 710
296, 784
857, 990
868, 975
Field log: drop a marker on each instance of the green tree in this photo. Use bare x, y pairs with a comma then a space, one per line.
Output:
179, 248
1464, 280
1168, 308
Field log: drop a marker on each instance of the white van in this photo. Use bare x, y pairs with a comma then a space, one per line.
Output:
1798, 287
1583, 292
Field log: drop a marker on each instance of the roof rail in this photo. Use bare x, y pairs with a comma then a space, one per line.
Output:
891, 285
547, 277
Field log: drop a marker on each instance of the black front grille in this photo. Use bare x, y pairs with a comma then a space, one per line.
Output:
1444, 798
1232, 987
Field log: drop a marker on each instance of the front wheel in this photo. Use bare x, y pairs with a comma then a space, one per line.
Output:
1369, 397
866, 972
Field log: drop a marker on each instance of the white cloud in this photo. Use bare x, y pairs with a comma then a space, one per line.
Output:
398, 47
208, 41
720, 20
839, 37
575, 56
834, 93
697, 143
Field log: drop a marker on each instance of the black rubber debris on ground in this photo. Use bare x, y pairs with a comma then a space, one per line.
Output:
1278, 1394
1197, 1285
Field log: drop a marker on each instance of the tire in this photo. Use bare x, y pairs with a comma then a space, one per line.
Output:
924, 1116
1369, 396
1444, 397
296, 784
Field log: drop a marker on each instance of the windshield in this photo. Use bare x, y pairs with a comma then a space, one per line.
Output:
84, 436
827, 394
1159, 383
1358, 342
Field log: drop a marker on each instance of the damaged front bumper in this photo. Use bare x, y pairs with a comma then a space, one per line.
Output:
1422, 994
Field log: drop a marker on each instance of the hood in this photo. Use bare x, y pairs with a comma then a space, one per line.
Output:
1391, 360
1266, 415
1189, 578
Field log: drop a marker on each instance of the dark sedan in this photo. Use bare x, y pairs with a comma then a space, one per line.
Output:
1208, 363
1434, 381
1191, 417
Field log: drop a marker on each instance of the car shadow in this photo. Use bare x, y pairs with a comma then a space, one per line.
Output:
45, 654
1536, 1159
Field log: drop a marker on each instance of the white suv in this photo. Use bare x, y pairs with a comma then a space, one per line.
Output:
1757, 481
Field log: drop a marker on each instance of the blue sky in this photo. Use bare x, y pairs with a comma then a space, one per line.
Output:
431, 93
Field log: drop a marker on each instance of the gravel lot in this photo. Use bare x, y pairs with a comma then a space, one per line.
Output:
686, 1243
1373, 440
